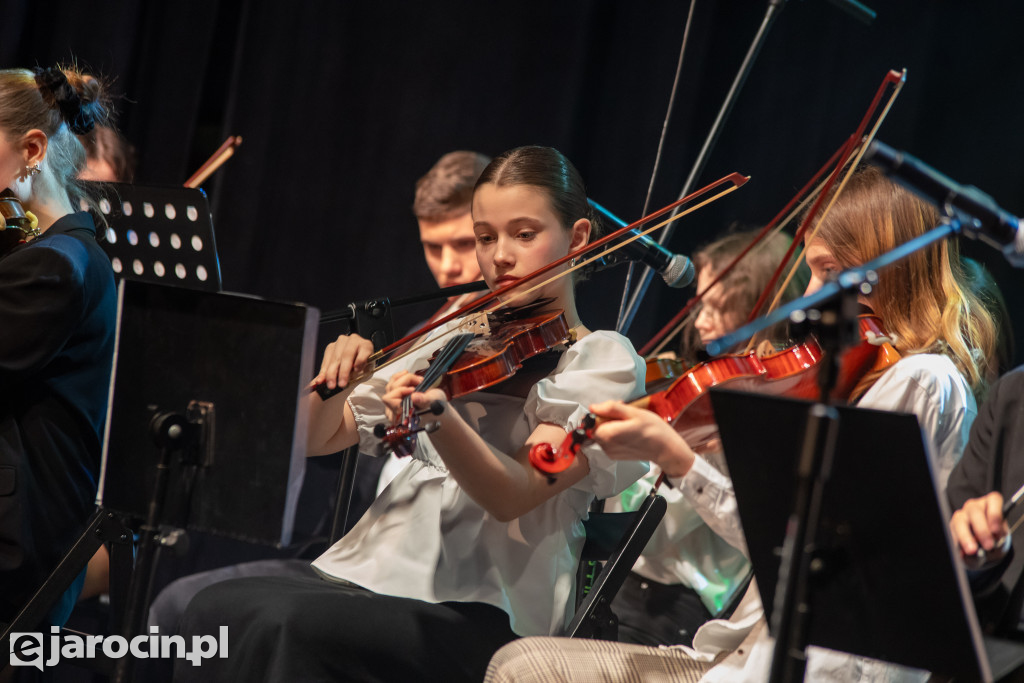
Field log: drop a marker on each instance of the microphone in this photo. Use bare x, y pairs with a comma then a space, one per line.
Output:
985, 219
675, 269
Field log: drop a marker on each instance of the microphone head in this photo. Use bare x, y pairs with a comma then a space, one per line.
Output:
680, 271
1014, 251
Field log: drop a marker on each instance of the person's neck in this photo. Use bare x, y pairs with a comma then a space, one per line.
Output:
48, 203
566, 300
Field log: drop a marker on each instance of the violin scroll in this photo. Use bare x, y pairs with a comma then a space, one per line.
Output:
545, 458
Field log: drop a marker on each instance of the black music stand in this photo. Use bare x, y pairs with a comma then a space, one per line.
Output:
221, 380
886, 584
161, 234
207, 422
251, 359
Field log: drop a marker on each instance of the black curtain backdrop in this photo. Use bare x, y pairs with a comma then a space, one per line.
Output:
343, 105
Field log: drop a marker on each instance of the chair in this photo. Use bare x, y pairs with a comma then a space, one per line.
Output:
617, 539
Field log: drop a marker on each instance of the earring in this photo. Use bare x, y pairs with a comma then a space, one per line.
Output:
33, 170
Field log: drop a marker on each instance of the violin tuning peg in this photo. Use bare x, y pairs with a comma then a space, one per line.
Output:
435, 408
380, 430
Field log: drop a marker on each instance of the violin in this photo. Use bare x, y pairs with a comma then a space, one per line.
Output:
469, 363
686, 404
521, 345
16, 224
662, 370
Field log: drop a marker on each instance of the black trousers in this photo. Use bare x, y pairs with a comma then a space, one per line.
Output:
298, 630
652, 613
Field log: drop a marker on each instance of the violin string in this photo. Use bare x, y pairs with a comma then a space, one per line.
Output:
394, 356
619, 245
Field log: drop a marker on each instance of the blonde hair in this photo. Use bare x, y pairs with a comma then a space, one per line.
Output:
62, 102
923, 300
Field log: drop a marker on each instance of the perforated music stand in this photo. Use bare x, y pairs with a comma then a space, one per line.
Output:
889, 586
161, 234
251, 359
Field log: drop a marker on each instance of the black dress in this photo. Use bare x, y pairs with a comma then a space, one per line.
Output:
57, 320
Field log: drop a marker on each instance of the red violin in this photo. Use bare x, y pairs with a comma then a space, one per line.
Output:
467, 364
686, 405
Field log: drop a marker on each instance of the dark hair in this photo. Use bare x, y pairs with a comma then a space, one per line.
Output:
63, 103
980, 281
446, 190
104, 143
546, 169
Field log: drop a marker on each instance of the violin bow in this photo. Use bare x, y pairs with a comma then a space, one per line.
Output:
893, 79
216, 160
788, 212
702, 197
855, 148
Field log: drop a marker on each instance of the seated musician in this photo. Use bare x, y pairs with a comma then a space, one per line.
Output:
441, 206
57, 310
946, 339
469, 547
688, 574
991, 471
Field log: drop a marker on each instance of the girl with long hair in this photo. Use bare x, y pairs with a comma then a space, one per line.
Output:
469, 547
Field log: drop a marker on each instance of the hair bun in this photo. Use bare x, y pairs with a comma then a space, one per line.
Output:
60, 94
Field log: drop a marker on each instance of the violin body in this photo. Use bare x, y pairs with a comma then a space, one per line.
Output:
663, 370
475, 365
792, 372
497, 356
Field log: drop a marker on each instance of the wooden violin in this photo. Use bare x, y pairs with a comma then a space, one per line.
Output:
470, 363
686, 405
16, 224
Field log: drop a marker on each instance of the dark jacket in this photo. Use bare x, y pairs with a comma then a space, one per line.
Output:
57, 319
994, 461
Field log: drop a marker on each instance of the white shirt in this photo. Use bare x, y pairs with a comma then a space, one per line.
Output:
424, 538
927, 385
684, 549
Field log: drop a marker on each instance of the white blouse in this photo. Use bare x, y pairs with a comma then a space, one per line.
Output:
927, 385
425, 538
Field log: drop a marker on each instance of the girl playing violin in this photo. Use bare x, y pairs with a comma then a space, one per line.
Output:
946, 339
469, 546
688, 574
57, 309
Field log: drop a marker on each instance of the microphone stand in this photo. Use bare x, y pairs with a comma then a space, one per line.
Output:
854, 8
774, 6
832, 311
